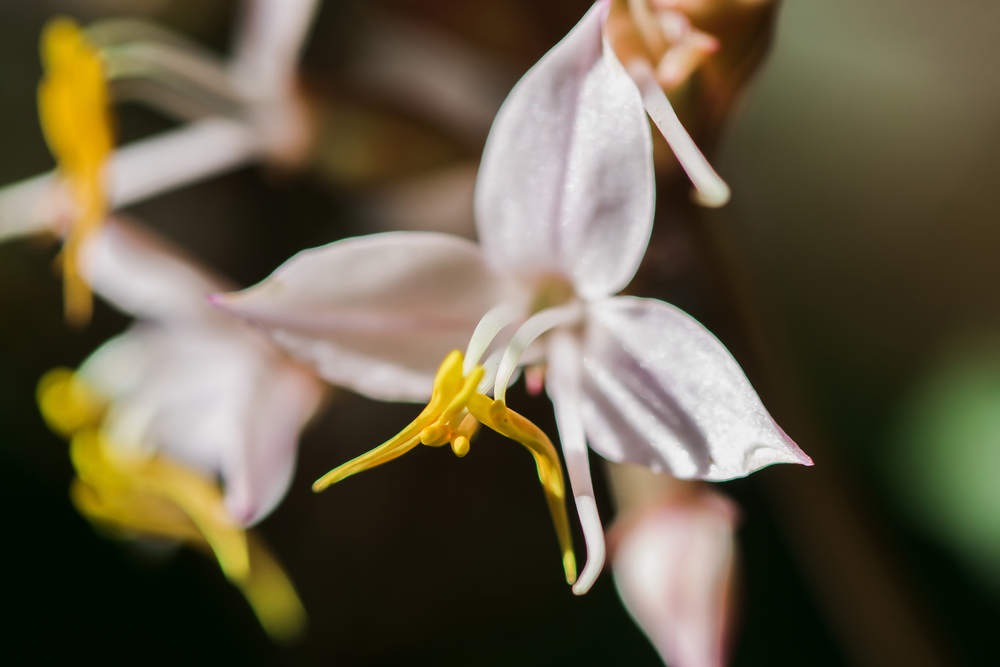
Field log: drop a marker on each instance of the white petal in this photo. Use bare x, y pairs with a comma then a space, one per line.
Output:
673, 570
566, 181
215, 399
377, 313
258, 475
662, 391
563, 386
143, 275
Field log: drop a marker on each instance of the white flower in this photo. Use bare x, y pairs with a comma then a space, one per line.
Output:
564, 205
186, 397
188, 383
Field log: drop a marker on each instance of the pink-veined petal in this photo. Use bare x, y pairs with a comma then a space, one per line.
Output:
566, 181
377, 313
563, 386
143, 275
673, 570
662, 391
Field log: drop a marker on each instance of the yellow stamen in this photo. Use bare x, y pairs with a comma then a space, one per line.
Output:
453, 415
120, 477
73, 110
272, 596
447, 383
503, 420
68, 404
133, 494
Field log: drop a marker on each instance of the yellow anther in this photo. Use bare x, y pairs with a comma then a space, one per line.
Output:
435, 435
505, 421
457, 405
67, 403
128, 485
455, 399
460, 445
447, 384
150, 496
73, 107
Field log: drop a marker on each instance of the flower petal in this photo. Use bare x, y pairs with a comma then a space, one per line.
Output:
673, 570
566, 181
218, 399
376, 314
143, 275
662, 391
563, 387
258, 474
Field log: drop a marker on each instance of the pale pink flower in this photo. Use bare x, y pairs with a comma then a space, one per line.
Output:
564, 206
190, 383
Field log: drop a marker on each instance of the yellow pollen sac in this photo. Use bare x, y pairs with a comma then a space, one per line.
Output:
452, 416
68, 404
73, 107
133, 494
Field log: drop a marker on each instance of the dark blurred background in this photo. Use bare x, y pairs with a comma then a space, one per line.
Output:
858, 253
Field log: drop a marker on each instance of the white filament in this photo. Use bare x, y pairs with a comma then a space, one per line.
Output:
712, 191
534, 327
174, 159
140, 170
487, 329
490, 367
593, 536
563, 385
271, 37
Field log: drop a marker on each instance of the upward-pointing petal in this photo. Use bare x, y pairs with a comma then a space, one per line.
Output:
376, 313
662, 391
566, 181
